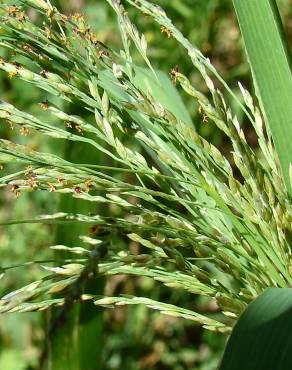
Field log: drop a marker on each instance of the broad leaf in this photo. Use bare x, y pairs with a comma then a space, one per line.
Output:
262, 338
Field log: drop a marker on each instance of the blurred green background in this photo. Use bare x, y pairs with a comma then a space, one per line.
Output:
133, 338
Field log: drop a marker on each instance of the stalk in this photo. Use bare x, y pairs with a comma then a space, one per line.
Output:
75, 333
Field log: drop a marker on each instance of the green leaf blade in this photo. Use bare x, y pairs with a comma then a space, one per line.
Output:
262, 338
269, 59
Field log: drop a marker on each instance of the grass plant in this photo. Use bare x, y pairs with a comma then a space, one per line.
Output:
204, 226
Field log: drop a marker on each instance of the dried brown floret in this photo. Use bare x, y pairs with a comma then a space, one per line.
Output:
167, 31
